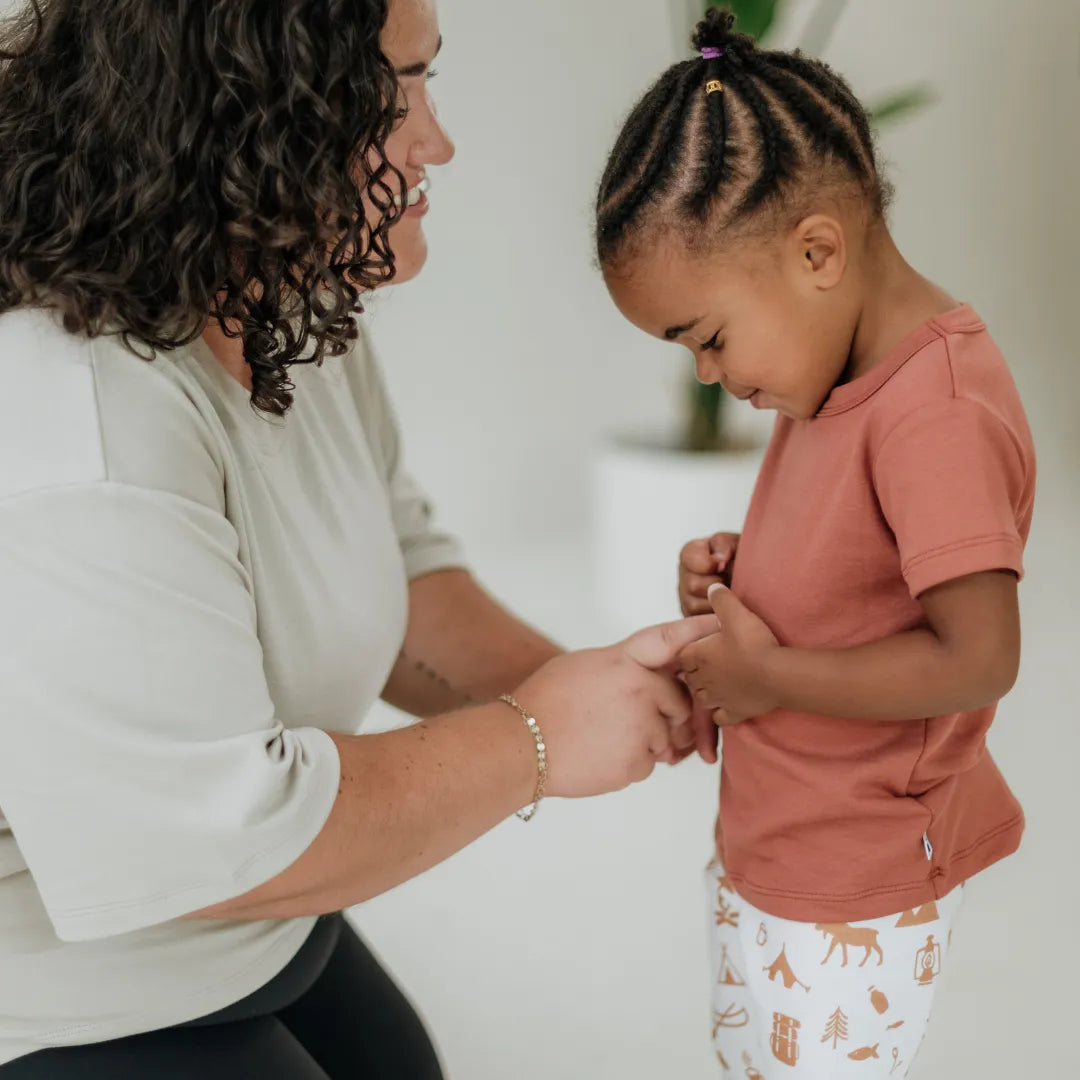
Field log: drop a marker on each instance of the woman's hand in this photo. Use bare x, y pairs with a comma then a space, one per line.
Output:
702, 564
728, 672
609, 716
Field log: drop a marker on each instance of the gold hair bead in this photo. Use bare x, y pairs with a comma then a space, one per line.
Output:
714, 86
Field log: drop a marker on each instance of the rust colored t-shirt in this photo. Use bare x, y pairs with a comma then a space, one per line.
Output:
920, 472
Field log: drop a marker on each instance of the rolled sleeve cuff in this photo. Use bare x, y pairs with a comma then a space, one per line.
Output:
959, 560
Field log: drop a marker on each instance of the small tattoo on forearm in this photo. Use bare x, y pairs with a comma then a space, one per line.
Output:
443, 683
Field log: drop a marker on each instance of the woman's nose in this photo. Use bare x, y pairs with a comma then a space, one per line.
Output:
434, 146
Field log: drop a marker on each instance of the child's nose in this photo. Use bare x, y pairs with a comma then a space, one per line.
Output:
708, 371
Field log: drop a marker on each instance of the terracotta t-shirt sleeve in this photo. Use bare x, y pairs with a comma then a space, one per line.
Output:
950, 479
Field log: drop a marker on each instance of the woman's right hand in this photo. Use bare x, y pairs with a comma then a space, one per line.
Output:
609, 716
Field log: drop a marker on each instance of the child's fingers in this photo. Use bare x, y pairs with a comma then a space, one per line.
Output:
698, 585
691, 606
696, 557
722, 546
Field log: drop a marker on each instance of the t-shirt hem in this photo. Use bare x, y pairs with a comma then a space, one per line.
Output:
882, 901
220, 995
113, 919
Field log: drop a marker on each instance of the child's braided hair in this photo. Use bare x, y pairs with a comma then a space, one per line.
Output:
736, 137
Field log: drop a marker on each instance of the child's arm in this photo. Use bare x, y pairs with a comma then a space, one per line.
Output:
965, 659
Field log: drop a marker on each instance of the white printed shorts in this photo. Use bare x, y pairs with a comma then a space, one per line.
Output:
824, 1001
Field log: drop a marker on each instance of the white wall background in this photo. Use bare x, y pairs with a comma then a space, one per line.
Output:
575, 947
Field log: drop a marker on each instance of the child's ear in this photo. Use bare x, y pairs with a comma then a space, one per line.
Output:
819, 245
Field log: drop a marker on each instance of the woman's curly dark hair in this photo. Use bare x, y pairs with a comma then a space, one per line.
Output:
163, 162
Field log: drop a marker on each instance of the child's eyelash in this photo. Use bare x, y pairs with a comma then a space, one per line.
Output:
432, 74
711, 345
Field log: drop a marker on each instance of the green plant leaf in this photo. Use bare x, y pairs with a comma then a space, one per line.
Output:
705, 428
753, 17
901, 104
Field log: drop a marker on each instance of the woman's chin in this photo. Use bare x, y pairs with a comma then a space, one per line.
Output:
410, 255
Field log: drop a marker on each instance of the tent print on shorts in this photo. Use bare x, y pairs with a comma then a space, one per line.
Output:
928, 913
729, 973
781, 968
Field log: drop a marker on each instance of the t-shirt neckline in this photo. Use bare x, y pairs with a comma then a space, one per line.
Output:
852, 394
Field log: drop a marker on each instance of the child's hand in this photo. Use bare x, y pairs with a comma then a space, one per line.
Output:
727, 672
703, 563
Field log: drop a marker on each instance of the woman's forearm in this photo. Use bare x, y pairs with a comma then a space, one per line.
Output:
462, 647
407, 800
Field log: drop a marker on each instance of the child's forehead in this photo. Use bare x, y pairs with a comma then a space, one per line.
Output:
669, 295
670, 268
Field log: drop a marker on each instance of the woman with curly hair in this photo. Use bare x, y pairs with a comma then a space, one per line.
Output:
212, 561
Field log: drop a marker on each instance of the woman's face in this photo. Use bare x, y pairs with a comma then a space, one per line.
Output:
410, 42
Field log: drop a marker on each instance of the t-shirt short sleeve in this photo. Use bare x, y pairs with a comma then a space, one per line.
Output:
424, 547
144, 774
951, 479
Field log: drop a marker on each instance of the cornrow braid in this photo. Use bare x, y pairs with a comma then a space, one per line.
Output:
833, 88
652, 144
717, 165
732, 135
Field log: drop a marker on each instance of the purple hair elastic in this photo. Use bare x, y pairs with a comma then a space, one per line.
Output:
711, 52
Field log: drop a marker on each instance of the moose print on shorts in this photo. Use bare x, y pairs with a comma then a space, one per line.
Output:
859, 937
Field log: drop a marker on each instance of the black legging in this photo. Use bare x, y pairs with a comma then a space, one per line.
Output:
332, 1014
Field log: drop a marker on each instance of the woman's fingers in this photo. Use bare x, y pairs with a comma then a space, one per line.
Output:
706, 735
657, 647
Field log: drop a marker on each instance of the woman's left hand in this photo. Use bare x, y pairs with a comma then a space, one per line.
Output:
728, 673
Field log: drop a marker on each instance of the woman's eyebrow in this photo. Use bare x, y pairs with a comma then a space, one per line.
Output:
413, 70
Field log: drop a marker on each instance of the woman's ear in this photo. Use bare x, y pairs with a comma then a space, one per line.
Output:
818, 248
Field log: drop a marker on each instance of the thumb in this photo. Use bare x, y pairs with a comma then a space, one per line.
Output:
659, 646
724, 602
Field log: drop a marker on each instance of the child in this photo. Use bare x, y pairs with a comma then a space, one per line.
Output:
872, 623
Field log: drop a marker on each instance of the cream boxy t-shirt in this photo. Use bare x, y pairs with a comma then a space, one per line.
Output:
191, 596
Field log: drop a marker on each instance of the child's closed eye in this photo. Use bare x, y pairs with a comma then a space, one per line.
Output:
712, 345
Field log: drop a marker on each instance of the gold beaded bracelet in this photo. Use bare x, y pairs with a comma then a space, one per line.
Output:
529, 812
